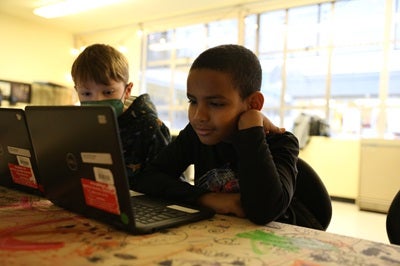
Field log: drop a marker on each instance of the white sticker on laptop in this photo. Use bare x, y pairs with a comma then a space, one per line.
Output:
181, 208
18, 151
102, 119
96, 157
103, 175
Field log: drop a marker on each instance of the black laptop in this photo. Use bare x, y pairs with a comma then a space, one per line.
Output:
18, 169
82, 169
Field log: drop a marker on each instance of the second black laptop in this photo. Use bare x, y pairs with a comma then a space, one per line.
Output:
82, 169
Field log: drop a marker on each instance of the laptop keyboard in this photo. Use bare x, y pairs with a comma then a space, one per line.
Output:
145, 213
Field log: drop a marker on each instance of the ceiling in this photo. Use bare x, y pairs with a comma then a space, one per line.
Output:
122, 13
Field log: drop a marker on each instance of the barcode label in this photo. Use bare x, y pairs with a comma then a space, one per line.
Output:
24, 161
103, 175
96, 157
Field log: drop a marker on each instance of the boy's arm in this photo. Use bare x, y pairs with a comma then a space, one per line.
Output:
162, 176
265, 191
266, 183
224, 203
267, 173
267, 168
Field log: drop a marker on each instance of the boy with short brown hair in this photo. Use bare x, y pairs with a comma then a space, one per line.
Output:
101, 77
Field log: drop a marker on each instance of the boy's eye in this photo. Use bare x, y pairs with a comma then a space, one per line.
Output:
108, 92
192, 101
217, 104
86, 94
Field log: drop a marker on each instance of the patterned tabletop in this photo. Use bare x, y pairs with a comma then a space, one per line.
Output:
35, 232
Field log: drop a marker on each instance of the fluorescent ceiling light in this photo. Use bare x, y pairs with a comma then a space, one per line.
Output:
70, 7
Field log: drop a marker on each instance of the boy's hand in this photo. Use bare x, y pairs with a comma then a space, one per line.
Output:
223, 203
253, 118
269, 127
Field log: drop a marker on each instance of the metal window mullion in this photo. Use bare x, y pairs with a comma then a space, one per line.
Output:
171, 91
283, 72
241, 26
328, 84
143, 64
384, 75
257, 41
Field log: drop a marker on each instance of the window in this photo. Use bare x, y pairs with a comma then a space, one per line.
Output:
337, 60
169, 56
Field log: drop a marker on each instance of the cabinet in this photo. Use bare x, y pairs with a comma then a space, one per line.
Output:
337, 163
379, 174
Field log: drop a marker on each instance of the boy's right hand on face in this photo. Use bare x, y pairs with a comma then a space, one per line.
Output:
223, 203
253, 118
270, 128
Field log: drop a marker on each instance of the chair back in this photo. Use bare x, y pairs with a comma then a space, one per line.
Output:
393, 220
311, 191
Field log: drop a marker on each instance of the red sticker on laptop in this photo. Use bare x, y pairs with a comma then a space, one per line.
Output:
22, 175
100, 195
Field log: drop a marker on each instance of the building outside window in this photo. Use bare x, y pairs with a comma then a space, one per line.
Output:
335, 60
169, 57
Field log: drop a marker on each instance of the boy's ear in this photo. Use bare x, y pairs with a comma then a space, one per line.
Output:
128, 89
256, 101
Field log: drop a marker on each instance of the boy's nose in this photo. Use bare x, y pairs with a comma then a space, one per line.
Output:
98, 97
201, 113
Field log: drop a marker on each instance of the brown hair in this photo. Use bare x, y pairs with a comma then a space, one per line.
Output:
100, 63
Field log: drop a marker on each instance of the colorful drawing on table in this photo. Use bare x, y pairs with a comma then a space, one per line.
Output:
213, 255
282, 242
22, 203
216, 225
9, 242
328, 251
71, 233
10, 199
164, 237
188, 262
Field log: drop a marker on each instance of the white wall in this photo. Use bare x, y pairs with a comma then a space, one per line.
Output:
31, 52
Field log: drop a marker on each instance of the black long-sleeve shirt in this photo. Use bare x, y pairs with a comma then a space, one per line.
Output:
261, 167
143, 135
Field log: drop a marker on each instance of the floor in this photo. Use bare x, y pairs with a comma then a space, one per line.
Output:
348, 220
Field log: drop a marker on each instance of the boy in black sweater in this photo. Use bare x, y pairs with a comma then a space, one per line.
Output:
244, 165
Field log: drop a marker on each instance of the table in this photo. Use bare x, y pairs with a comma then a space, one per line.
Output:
35, 232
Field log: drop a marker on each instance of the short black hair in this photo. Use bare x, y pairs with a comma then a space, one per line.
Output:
239, 62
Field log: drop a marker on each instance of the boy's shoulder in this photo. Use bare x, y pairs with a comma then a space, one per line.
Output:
138, 109
141, 115
141, 105
285, 140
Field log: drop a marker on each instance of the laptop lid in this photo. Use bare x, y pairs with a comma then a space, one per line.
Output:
18, 169
82, 167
